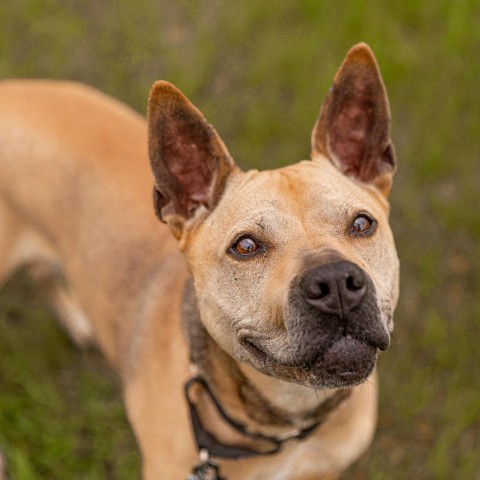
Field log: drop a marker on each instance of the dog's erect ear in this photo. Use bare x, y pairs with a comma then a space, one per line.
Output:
190, 163
353, 129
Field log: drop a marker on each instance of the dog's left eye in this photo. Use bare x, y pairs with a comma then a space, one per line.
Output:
245, 246
363, 225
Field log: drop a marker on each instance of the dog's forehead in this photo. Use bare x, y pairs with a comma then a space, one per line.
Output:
295, 190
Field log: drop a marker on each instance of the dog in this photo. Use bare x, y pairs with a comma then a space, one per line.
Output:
253, 356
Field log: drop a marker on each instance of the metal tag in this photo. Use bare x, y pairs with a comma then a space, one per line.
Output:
207, 469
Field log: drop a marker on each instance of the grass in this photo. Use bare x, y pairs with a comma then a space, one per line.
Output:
60, 414
259, 71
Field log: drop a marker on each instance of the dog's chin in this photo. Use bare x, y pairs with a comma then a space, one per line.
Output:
345, 363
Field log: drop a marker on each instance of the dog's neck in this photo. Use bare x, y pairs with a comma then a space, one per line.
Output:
257, 400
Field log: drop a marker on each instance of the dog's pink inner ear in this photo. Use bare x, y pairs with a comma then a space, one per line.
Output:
186, 155
189, 161
358, 127
353, 129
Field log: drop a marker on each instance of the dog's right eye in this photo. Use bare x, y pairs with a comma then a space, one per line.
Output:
246, 246
363, 225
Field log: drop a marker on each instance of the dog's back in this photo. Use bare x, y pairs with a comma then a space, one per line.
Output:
75, 177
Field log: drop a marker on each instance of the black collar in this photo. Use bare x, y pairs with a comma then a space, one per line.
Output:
207, 442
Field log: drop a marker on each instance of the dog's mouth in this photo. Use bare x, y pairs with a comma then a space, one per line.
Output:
347, 362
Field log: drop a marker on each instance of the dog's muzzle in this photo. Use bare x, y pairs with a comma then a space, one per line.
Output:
333, 329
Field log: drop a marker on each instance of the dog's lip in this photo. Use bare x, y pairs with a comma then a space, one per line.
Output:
349, 361
327, 361
262, 356
258, 351
254, 349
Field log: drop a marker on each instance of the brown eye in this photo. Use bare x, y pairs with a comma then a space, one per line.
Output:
245, 246
363, 225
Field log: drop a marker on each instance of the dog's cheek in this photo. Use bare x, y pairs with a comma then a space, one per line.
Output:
240, 287
218, 325
386, 281
220, 305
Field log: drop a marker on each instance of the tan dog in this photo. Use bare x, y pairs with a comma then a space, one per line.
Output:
295, 273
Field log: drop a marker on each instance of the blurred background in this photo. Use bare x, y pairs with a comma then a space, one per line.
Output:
259, 71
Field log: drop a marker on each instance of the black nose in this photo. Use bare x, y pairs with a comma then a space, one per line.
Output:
335, 287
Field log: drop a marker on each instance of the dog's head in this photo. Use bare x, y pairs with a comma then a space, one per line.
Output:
295, 269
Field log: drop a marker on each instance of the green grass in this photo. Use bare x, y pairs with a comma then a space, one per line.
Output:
259, 70
60, 414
